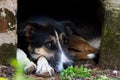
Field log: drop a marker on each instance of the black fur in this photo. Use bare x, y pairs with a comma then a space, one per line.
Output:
36, 32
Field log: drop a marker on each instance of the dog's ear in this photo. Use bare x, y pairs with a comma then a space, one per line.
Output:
69, 28
26, 29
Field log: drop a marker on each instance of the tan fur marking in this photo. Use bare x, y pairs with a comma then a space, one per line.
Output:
53, 38
43, 51
61, 36
81, 45
29, 48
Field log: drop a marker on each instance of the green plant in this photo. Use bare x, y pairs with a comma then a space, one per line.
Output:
19, 73
75, 72
103, 77
115, 79
2, 78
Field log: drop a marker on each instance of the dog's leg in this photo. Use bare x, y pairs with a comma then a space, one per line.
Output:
43, 67
22, 59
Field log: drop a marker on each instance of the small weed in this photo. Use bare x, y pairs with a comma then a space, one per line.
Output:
104, 77
75, 72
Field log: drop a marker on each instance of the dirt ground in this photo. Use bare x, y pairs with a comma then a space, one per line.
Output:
97, 71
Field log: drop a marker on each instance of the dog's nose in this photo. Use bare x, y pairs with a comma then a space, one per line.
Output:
67, 64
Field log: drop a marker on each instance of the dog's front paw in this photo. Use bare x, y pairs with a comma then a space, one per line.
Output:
43, 68
29, 68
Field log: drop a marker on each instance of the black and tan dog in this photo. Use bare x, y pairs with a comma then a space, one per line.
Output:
46, 45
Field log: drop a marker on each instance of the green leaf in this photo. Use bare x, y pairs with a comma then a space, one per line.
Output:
2, 78
75, 72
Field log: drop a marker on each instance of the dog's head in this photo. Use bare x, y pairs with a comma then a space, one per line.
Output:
44, 38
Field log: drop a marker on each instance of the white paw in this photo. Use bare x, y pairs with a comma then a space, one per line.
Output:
43, 68
29, 68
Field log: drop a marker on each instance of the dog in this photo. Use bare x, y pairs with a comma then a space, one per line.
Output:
46, 46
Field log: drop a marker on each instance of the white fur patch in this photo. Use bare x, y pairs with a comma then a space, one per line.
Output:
34, 56
95, 42
24, 61
43, 67
22, 57
91, 56
63, 57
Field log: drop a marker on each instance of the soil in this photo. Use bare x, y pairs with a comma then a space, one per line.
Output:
97, 71
6, 71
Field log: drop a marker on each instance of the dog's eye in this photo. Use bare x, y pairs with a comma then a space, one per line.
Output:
49, 45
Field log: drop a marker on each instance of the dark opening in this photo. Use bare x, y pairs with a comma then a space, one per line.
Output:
81, 12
